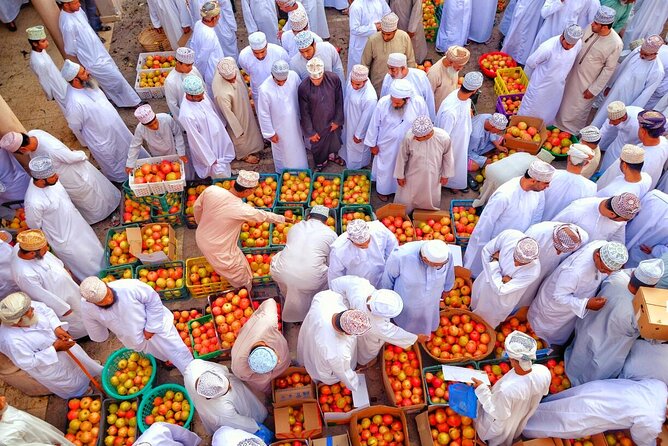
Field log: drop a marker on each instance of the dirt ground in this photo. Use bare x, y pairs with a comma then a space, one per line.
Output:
20, 89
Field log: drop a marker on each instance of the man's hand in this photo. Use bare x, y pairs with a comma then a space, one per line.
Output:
356, 140
148, 335
401, 182
596, 303
607, 90
274, 138
279, 35
128, 170
289, 219
587, 94
160, 30
495, 256
377, 26
374, 150
646, 249
62, 334
186, 29
444, 181
506, 279
184, 159
314, 138
333, 126
62, 345
410, 34
503, 149
423, 338
476, 382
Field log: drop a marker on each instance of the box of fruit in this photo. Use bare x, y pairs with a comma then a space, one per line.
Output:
260, 264
509, 104
230, 310
461, 336
327, 190
254, 235
119, 422
181, 319
394, 217
440, 425
163, 400
464, 217
510, 81
204, 338
438, 393
193, 190
156, 60
548, 441
332, 221
167, 279
150, 84
293, 442
433, 225
525, 134
649, 305
83, 420
338, 403
558, 142
460, 294
401, 377
351, 212
117, 247
128, 374
367, 423
202, 280
171, 212
264, 195
153, 243
294, 187
157, 175
335, 440
293, 384
14, 222
279, 231
518, 321
133, 211
431, 17
356, 187
297, 419
557, 368
489, 63
116, 273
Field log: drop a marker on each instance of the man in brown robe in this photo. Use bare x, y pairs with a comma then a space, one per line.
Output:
444, 74
321, 111
410, 20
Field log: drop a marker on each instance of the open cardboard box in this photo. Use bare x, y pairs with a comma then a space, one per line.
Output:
392, 210
651, 309
301, 441
522, 145
135, 242
312, 426
424, 429
369, 412
360, 400
336, 440
388, 387
550, 441
292, 393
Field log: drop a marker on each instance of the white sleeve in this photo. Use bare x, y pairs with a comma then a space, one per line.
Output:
264, 114
31, 285
135, 146
494, 403
371, 138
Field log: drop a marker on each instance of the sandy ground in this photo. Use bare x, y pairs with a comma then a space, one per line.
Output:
22, 92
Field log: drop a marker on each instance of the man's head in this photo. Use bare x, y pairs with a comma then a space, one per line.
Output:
610, 257
617, 112
37, 38
280, 71
18, 142
526, 251
388, 26
352, 322
385, 303
496, 123
359, 76
70, 5
185, 58
603, 20
32, 244
193, 87
590, 136
435, 253
227, 68
287, 5
650, 47
95, 291
632, 159
647, 274
622, 207
570, 36
146, 116
298, 20
320, 213
16, 310
262, 359
579, 155
316, 70
210, 13
212, 384
42, 171
651, 125
305, 44
521, 349
359, 233
76, 75
258, 44
401, 91
397, 65
537, 178
422, 128
472, 83
246, 182
566, 238
456, 57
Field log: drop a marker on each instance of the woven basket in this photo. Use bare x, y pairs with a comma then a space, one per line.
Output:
152, 40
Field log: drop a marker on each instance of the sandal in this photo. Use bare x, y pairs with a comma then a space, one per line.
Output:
319, 167
336, 159
383, 198
251, 159
344, 11
104, 28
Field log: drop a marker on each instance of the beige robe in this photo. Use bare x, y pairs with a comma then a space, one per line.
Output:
593, 67
422, 164
219, 215
410, 20
261, 327
591, 168
443, 81
233, 102
376, 52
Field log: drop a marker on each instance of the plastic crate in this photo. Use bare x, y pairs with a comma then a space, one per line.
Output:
161, 187
560, 156
327, 176
131, 194
297, 211
226, 352
160, 209
117, 272
136, 201
333, 214
255, 225
100, 436
105, 412
146, 405
350, 172
263, 177
150, 92
203, 320
143, 56
171, 293
491, 73
500, 87
435, 369
309, 174
189, 219
364, 208
107, 250
505, 97
459, 240
257, 280
203, 290
110, 368
221, 182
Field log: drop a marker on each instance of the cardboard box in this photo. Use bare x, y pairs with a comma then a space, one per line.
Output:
651, 308
421, 215
392, 210
289, 442
312, 421
336, 440
369, 412
360, 401
522, 145
424, 429
135, 241
388, 387
292, 393
541, 442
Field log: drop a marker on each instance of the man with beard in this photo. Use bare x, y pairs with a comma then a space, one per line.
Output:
444, 74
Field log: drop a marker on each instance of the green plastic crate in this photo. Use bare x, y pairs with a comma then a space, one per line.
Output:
146, 405
110, 368
560, 156
263, 177
297, 210
107, 251
365, 208
309, 173
203, 320
349, 172
116, 271
220, 181
333, 214
172, 293
122, 211
271, 252
327, 176
189, 219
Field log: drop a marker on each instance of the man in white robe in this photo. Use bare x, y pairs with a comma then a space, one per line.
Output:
361, 251
205, 43
455, 24
486, 135
258, 58
631, 178
411, 20
359, 103
170, 17
635, 79
300, 269
53, 84
603, 339
9, 11
260, 15
315, 9
558, 14
222, 399
648, 18
364, 20
647, 235
594, 407
392, 118
619, 129
308, 49
526, 21
278, 114
593, 67
380, 306
297, 22
41, 275
165, 434
506, 407
13, 178
662, 89
229, 436
444, 74
7, 284
480, 28
509, 264
646, 360
590, 136
420, 272
96, 123
570, 291
90, 191
547, 69
424, 165
81, 42
37, 342
397, 66
211, 148
517, 204
327, 344
454, 116
185, 59
133, 311
162, 133
19, 427
225, 25
49, 208
569, 185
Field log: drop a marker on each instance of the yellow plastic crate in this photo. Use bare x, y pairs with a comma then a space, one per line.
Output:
203, 290
500, 87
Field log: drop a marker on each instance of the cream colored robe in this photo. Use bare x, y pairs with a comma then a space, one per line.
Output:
376, 52
443, 81
410, 20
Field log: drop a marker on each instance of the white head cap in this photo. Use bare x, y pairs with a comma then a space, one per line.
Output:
36, 33
320, 210
386, 303
93, 290
579, 153
185, 55
358, 231
315, 67
472, 80
632, 154
614, 255
591, 133
359, 73
144, 114
572, 34
227, 68
248, 178
649, 272
280, 70
541, 171
69, 70
257, 40
211, 384
397, 60
435, 251
522, 348
616, 110
389, 22
401, 89
298, 19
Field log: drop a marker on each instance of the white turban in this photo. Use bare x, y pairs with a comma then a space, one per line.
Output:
358, 231
522, 348
14, 307
397, 60
93, 290
579, 153
591, 133
649, 271
401, 89
386, 303
211, 384
257, 40
435, 251
69, 70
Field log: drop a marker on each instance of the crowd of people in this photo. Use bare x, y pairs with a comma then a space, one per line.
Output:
567, 249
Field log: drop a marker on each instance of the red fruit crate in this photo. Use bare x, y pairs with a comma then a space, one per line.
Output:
349, 186
492, 73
